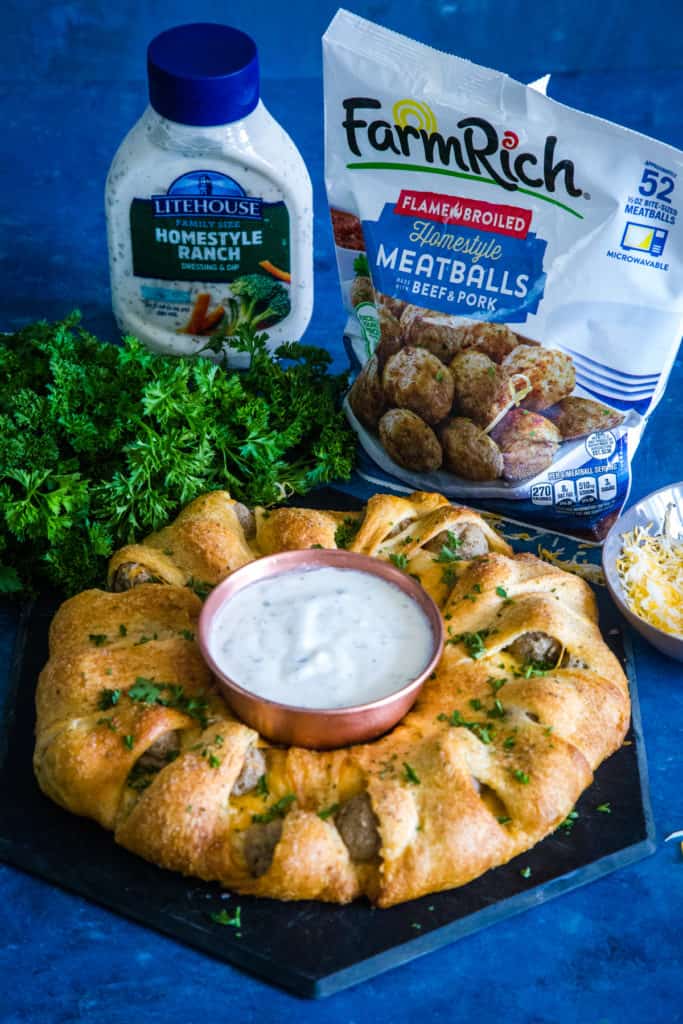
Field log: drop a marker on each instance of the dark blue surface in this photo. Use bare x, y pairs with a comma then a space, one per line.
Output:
72, 85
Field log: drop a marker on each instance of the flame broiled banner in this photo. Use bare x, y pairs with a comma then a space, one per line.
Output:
504, 220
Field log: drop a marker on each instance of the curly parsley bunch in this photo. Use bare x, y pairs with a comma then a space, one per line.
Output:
100, 444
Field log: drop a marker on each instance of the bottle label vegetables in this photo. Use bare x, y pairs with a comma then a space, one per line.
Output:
525, 265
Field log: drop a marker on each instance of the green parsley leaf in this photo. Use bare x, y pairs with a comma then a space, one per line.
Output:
474, 642
449, 550
277, 810
128, 741
327, 812
410, 774
504, 819
521, 776
526, 872
509, 742
123, 630
346, 531
109, 722
108, 699
400, 560
223, 917
502, 592
214, 762
98, 639
604, 808
262, 787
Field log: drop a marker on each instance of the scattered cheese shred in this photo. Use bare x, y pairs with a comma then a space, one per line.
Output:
587, 570
650, 568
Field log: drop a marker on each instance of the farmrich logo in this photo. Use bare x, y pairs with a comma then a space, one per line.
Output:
474, 150
207, 194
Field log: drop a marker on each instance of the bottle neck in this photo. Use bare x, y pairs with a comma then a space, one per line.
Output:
195, 140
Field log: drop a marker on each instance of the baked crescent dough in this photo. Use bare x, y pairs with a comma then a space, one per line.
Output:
131, 732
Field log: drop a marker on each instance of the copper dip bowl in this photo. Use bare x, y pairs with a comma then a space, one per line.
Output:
322, 728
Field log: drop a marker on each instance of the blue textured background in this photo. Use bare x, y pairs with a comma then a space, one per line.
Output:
71, 85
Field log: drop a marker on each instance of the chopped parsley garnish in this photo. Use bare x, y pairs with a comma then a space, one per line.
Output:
496, 684
128, 742
439, 376
262, 787
346, 531
504, 819
400, 561
474, 642
497, 711
449, 550
410, 774
568, 824
476, 704
277, 810
98, 639
226, 919
526, 872
201, 588
109, 722
187, 634
214, 762
327, 812
108, 699
604, 808
448, 578
509, 742
502, 592
122, 630
169, 695
480, 729
521, 776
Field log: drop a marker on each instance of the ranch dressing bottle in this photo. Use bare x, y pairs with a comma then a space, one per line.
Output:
209, 204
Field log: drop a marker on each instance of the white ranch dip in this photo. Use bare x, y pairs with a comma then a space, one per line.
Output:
322, 638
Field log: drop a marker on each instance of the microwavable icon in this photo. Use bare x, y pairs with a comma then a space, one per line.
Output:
503, 220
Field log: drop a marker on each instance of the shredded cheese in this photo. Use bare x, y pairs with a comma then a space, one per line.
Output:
650, 568
587, 570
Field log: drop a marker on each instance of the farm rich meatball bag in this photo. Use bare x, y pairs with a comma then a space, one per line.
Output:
513, 275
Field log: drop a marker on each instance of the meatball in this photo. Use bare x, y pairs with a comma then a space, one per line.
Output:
529, 443
495, 340
161, 752
389, 345
253, 768
366, 396
469, 452
409, 441
260, 841
246, 518
391, 304
361, 290
473, 542
536, 648
415, 379
358, 826
131, 574
481, 387
550, 372
439, 333
576, 417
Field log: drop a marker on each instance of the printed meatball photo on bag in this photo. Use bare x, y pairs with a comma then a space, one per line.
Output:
512, 274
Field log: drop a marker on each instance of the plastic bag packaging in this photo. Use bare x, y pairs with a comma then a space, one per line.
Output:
512, 269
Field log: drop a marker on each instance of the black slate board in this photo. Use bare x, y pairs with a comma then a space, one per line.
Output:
313, 949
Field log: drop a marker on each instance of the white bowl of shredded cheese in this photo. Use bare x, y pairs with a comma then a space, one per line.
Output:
643, 562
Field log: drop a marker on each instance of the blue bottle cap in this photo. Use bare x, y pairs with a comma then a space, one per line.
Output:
203, 74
